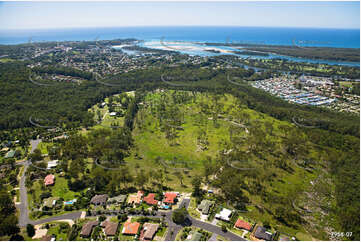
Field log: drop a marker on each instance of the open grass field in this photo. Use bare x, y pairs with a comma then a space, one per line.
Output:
181, 159
177, 132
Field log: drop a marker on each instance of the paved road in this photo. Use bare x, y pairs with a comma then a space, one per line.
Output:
23, 206
72, 216
197, 223
216, 230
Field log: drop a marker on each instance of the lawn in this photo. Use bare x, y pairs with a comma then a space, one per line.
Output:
60, 189
192, 209
43, 147
60, 230
161, 232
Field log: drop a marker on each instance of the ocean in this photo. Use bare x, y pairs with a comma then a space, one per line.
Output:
345, 38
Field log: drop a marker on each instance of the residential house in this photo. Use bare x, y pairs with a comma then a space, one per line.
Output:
224, 215
50, 202
130, 228
149, 230
118, 199
136, 199
87, 228
205, 206
49, 180
262, 233
52, 164
169, 198
10, 154
110, 228
240, 224
196, 236
150, 199
99, 199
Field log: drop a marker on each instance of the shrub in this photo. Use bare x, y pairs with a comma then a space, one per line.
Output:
224, 228
30, 230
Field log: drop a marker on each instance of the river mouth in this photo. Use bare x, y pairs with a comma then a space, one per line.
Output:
200, 49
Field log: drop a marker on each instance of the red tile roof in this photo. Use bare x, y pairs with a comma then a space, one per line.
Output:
149, 199
169, 197
130, 228
49, 180
243, 225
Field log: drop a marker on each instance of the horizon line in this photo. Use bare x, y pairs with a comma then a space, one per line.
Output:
152, 26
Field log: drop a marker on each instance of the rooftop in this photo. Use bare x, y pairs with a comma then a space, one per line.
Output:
169, 197
224, 214
150, 199
150, 230
99, 199
110, 228
243, 225
87, 228
261, 233
49, 180
130, 228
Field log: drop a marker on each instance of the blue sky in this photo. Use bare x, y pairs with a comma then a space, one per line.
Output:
40, 15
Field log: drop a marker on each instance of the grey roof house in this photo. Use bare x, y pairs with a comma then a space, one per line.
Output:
261, 233
99, 199
205, 206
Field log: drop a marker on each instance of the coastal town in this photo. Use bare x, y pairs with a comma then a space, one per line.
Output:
106, 58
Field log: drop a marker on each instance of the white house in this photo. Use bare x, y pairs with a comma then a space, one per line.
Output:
224, 215
52, 164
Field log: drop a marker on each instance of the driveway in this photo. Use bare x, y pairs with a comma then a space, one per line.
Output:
185, 203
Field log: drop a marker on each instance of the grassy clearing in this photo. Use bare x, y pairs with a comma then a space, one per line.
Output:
4, 60
44, 147
151, 144
102, 113
219, 117
60, 189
